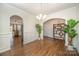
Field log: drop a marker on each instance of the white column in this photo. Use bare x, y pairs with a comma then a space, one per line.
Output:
66, 36
41, 23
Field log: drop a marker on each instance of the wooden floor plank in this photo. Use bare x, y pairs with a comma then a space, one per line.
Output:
47, 47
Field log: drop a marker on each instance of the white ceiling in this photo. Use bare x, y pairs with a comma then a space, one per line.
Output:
47, 8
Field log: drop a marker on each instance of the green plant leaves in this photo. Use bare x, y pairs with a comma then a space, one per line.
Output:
72, 23
38, 28
72, 33
66, 30
70, 28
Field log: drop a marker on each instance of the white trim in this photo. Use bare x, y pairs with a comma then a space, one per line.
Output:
5, 42
4, 49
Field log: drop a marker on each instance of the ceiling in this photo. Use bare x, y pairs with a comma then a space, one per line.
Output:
47, 8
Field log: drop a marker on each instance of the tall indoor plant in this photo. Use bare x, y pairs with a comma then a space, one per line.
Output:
38, 29
69, 29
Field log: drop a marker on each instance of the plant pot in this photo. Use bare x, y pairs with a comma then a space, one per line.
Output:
70, 41
70, 44
39, 38
70, 48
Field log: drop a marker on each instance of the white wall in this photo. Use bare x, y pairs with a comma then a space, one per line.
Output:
0, 25
65, 14
5, 33
77, 38
30, 33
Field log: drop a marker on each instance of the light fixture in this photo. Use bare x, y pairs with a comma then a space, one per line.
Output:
41, 16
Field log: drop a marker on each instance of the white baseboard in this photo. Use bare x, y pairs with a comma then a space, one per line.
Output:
48, 37
26, 42
4, 49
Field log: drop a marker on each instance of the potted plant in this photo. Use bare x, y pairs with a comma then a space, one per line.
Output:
39, 30
69, 29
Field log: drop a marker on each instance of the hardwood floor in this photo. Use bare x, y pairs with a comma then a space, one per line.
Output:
17, 42
46, 47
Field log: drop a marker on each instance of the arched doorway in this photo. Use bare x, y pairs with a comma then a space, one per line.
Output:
16, 23
53, 28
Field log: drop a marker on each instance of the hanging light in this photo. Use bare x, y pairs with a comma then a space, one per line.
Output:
44, 16
41, 16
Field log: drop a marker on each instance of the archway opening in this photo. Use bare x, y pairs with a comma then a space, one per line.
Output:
53, 28
16, 23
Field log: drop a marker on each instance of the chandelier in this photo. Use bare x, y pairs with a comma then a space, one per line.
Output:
41, 16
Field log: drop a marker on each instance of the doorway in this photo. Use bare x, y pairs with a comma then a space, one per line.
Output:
16, 23
53, 28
